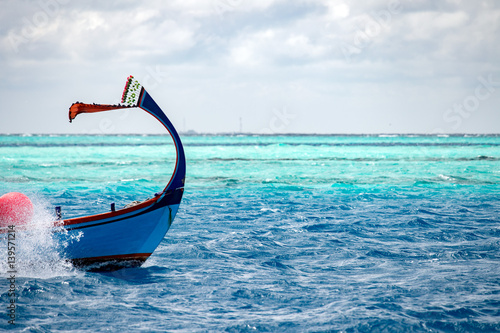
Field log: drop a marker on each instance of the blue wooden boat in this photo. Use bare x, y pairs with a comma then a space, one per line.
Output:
125, 237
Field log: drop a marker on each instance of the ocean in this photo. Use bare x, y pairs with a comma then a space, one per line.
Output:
355, 233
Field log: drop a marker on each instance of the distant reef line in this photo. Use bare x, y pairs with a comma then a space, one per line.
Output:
193, 133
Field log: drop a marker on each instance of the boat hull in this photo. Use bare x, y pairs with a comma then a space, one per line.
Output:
124, 238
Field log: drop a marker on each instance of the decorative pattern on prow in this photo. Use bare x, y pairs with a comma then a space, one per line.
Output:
132, 91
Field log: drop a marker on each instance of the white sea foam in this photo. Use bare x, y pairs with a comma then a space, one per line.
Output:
36, 252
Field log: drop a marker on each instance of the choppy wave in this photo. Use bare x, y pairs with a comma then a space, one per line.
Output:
37, 254
312, 236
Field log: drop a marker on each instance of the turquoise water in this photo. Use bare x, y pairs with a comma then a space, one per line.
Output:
275, 233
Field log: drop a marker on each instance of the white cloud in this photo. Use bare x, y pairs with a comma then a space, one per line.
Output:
427, 25
263, 48
337, 10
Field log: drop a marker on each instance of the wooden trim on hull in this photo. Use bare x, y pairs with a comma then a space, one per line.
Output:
111, 263
169, 198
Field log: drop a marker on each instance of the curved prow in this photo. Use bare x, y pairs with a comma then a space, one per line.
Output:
134, 95
149, 105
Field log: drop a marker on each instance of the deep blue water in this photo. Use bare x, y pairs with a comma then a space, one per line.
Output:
274, 234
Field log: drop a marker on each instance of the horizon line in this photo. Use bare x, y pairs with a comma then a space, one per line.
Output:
194, 133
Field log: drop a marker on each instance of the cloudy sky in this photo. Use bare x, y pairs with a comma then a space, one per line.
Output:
261, 66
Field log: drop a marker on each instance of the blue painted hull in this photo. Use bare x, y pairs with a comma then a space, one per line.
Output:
139, 234
111, 242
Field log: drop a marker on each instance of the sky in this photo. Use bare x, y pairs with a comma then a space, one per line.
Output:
253, 66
